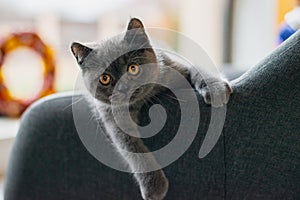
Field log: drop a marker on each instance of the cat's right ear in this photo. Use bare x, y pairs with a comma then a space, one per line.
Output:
80, 51
136, 32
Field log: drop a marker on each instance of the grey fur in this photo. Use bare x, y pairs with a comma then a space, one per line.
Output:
109, 57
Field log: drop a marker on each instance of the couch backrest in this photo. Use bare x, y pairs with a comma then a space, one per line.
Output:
257, 156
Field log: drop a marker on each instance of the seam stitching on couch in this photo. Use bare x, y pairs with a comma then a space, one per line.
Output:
225, 168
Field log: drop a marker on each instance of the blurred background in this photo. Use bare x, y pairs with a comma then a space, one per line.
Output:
235, 33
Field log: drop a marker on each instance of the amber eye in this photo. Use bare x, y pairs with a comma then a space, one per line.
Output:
133, 69
105, 79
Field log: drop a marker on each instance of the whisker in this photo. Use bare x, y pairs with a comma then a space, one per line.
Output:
175, 98
140, 57
146, 102
68, 106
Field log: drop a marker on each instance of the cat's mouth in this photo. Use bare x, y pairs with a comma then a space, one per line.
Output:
124, 98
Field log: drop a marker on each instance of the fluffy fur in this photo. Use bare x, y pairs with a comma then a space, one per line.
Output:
112, 57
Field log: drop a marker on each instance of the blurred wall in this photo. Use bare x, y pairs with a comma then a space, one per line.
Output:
254, 31
203, 21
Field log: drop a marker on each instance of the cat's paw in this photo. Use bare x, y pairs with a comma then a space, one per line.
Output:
156, 187
217, 93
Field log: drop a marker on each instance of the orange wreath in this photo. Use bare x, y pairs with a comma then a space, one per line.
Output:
10, 106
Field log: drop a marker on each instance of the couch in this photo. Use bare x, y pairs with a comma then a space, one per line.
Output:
256, 157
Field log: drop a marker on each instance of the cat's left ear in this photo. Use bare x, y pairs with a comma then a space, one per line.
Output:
136, 32
80, 51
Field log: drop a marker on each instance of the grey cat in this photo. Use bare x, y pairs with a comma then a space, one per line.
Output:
110, 75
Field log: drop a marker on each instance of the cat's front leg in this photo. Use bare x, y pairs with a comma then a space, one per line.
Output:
214, 91
153, 185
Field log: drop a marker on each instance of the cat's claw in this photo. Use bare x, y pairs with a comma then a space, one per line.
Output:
217, 94
157, 188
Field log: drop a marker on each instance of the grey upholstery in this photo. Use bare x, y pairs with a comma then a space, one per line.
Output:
257, 156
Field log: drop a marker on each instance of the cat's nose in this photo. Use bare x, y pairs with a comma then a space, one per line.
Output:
122, 88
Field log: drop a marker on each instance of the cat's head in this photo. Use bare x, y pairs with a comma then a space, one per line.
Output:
114, 68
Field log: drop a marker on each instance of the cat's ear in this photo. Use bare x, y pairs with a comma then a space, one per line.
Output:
135, 23
80, 51
136, 32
